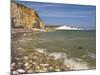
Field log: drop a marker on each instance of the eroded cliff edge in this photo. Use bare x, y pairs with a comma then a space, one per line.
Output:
24, 17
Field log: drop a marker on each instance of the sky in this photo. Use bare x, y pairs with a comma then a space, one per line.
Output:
81, 16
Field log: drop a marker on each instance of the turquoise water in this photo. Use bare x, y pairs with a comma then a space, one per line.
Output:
67, 40
76, 44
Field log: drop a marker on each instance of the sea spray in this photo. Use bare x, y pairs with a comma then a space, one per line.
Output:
71, 62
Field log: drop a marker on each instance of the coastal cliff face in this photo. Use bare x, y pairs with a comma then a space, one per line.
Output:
22, 16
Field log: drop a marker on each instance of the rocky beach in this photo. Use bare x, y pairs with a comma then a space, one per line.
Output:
25, 60
40, 48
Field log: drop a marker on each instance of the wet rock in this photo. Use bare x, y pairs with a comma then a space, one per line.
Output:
21, 70
44, 69
13, 64
35, 57
37, 67
24, 34
41, 70
18, 59
30, 71
29, 66
37, 62
20, 48
28, 39
15, 73
26, 64
41, 50
45, 65
34, 63
57, 70
20, 63
26, 57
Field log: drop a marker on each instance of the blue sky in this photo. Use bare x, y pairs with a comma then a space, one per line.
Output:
82, 16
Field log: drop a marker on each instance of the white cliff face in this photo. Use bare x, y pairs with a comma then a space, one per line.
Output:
66, 28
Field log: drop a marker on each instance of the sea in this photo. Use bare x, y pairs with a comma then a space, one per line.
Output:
78, 45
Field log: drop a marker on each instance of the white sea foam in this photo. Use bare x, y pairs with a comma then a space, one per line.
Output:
75, 65
58, 55
91, 55
24, 40
72, 63
41, 50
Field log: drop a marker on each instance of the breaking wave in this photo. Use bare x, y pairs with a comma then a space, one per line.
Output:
72, 63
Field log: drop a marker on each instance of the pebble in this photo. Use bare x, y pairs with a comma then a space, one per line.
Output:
25, 57
35, 57
37, 67
20, 48
50, 68
13, 64
29, 39
41, 71
20, 71
30, 71
44, 69
15, 73
57, 70
24, 34
26, 64
45, 65
30, 61
34, 63
27, 67
18, 59
20, 63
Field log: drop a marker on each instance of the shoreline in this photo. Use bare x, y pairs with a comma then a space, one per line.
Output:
22, 30
37, 60
41, 61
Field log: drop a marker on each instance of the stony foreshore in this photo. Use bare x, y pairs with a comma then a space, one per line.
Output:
26, 60
23, 30
37, 62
